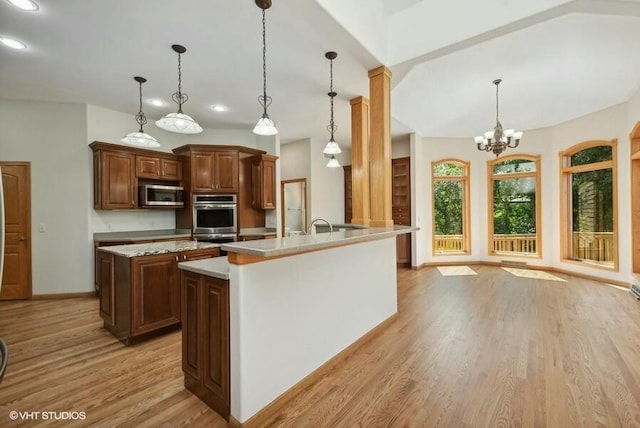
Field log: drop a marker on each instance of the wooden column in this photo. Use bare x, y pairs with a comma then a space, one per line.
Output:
380, 147
360, 161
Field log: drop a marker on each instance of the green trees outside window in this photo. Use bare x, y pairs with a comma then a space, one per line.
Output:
589, 208
450, 179
514, 211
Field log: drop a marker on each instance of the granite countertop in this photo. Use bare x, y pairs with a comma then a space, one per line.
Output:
302, 243
257, 231
142, 235
217, 267
136, 250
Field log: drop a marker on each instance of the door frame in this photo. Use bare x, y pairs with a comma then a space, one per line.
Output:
28, 219
283, 209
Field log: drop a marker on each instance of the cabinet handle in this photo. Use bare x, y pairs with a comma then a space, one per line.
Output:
176, 258
184, 257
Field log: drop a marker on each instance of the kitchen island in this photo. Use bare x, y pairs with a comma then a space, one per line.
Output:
280, 309
139, 286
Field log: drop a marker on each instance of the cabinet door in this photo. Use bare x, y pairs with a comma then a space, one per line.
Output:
225, 170
171, 169
117, 180
191, 325
263, 182
216, 341
106, 285
207, 253
155, 294
202, 172
147, 167
403, 249
348, 188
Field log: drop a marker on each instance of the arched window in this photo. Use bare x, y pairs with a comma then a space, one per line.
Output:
514, 207
589, 204
450, 178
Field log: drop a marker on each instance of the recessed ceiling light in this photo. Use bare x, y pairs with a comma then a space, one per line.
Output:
12, 43
25, 5
156, 102
219, 108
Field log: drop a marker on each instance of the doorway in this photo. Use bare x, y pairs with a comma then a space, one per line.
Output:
294, 206
16, 279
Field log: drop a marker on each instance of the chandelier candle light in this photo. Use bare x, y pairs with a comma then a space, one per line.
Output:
179, 122
265, 125
332, 148
140, 138
498, 140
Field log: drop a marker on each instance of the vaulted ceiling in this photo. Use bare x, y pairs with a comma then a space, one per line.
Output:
558, 59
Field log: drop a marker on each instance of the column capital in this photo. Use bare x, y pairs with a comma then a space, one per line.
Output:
380, 70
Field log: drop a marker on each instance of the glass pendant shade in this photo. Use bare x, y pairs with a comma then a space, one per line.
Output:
265, 126
332, 148
333, 163
180, 123
141, 139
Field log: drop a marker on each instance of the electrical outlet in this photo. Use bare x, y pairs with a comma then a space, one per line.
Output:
42, 228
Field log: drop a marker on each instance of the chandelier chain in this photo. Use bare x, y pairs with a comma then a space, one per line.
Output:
497, 118
178, 97
264, 99
140, 117
332, 127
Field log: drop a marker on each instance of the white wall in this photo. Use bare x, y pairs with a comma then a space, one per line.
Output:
401, 147
53, 137
326, 185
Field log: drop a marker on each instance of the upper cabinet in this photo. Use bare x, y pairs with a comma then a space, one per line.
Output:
158, 168
114, 185
214, 171
263, 180
118, 169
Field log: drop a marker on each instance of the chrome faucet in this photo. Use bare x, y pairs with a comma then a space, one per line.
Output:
314, 221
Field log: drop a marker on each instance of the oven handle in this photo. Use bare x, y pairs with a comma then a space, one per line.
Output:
214, 206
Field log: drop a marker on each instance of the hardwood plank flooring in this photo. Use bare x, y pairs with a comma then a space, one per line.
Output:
492, 350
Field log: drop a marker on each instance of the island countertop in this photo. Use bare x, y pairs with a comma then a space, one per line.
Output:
217, 267
136, 250
290, 245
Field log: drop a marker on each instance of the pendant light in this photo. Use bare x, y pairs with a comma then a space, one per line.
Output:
140, 138
332, 147
179, 122
265, 125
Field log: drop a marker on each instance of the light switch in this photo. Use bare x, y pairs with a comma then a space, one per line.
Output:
42, 227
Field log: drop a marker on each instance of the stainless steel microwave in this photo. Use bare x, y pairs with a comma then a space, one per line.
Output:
159, 196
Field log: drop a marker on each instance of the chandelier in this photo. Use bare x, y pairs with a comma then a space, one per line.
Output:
140, 138
498, 140
265, 125
179, 122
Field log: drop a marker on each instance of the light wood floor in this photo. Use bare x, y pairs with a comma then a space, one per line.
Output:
492, 350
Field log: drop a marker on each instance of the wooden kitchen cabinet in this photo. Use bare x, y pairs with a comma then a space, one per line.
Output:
140, 296
263, 182
205, 339
401, 206
115, 183
348, 189
215, 170
158, 168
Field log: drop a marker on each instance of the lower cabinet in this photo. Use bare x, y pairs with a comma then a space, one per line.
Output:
140, 296
403, 249
205, 339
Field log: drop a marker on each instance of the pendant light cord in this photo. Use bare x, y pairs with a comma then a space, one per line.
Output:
140, 117
497, 119
179, 93
332, 126
264, 99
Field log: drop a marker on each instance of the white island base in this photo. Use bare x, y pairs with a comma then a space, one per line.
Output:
296, 305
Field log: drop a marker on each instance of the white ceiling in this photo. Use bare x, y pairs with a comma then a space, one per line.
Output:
558, 59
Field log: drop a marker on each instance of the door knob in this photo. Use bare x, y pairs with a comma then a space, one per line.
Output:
22, 238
